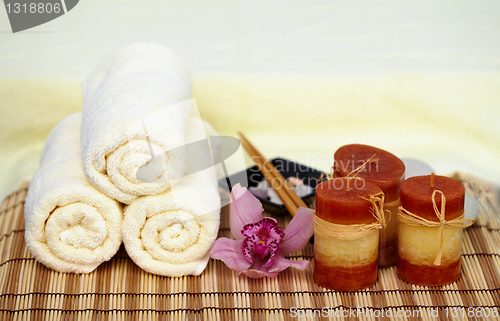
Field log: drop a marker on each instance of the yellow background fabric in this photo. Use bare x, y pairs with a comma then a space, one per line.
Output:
300, 79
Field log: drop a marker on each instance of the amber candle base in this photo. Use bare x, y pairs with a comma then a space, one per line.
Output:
428, 275
388, 242
346, 265
418, 249
342, 278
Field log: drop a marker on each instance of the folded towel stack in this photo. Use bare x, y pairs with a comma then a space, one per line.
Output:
134, 129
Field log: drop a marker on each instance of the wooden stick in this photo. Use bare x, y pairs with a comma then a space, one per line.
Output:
269, 166
287, 201
285, 192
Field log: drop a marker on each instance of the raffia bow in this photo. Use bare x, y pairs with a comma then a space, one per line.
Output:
415, 220
354, 231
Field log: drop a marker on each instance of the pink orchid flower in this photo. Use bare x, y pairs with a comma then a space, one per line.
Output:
259, 246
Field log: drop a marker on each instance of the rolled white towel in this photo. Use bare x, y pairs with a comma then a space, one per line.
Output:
171, 234
136, 100
70, 225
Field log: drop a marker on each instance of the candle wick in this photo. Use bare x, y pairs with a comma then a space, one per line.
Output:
432, 180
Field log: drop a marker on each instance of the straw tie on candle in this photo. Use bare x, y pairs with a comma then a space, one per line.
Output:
377, 209
354, 231
411, 219
352, 175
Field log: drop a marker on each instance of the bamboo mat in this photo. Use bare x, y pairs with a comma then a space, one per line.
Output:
119, 290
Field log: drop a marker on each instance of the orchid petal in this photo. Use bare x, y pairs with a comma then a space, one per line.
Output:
244, 209
267, 227
273, 247
257, 274
257, 270
298, 232
247, 247
280, 264
229, 251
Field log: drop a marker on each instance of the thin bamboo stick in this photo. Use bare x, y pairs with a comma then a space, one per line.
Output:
286, 193
276, 185
269, 166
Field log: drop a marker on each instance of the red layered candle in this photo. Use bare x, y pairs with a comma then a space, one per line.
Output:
419, 245
386, 171
341, 263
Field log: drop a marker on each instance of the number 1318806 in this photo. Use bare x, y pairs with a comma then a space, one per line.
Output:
33, 7
484, 312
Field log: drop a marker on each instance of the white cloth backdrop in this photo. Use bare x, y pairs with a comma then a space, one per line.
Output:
300, 78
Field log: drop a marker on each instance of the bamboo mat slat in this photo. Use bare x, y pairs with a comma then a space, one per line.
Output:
120, 290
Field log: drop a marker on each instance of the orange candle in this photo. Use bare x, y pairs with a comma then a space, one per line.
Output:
429, 249
386, 171
345, 255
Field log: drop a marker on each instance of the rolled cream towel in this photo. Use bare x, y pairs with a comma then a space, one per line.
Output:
171, 234
135, 103
70, 225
